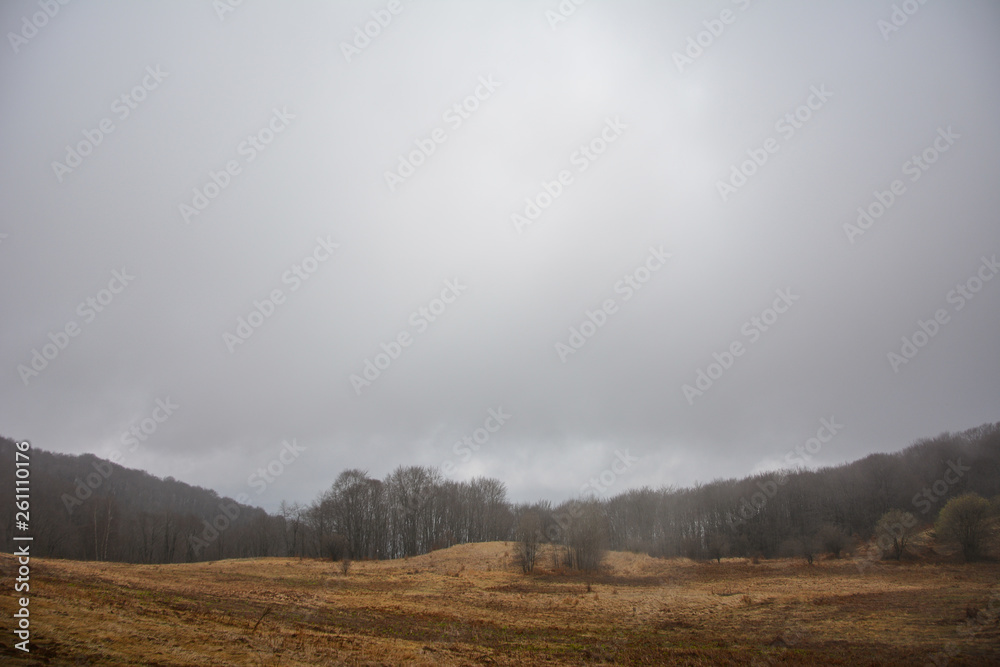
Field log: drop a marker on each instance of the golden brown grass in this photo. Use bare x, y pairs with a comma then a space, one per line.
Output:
469, 605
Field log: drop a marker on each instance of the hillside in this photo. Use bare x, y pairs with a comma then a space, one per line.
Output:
87, 508
131, 516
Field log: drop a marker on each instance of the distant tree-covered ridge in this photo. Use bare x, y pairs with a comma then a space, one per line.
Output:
86, 508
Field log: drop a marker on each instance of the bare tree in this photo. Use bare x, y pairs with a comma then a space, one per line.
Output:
894, 531
96, 509
103, 519
414, 495
335, 547
291, 519
717, 547
528, 532
587, 536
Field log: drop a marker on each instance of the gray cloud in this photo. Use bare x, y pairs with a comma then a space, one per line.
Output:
656, 185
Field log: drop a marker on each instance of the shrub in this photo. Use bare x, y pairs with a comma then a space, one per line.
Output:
966, 521
528, 532
832, 539
893, 532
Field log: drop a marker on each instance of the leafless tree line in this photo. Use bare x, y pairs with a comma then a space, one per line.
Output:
412, 511
135, 517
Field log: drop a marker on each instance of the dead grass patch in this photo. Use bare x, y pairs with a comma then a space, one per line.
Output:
469, 605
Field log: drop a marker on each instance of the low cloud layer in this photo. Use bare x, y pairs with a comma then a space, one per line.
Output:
686, 237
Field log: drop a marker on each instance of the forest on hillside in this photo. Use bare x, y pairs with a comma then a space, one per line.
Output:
89, 509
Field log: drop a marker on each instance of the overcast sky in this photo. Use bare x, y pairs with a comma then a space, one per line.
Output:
673, 169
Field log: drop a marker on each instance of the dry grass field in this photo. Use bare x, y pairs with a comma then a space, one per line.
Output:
469, 605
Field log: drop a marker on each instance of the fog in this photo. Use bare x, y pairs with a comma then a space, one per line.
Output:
519, 240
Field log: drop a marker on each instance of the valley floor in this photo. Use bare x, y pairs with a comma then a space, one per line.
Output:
469, 605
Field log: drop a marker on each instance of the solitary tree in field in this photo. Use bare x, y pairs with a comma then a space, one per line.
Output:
894, 531
717, 547
528, 532
587, 538
966, 521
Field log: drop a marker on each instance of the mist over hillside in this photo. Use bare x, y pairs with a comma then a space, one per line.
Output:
89, 508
